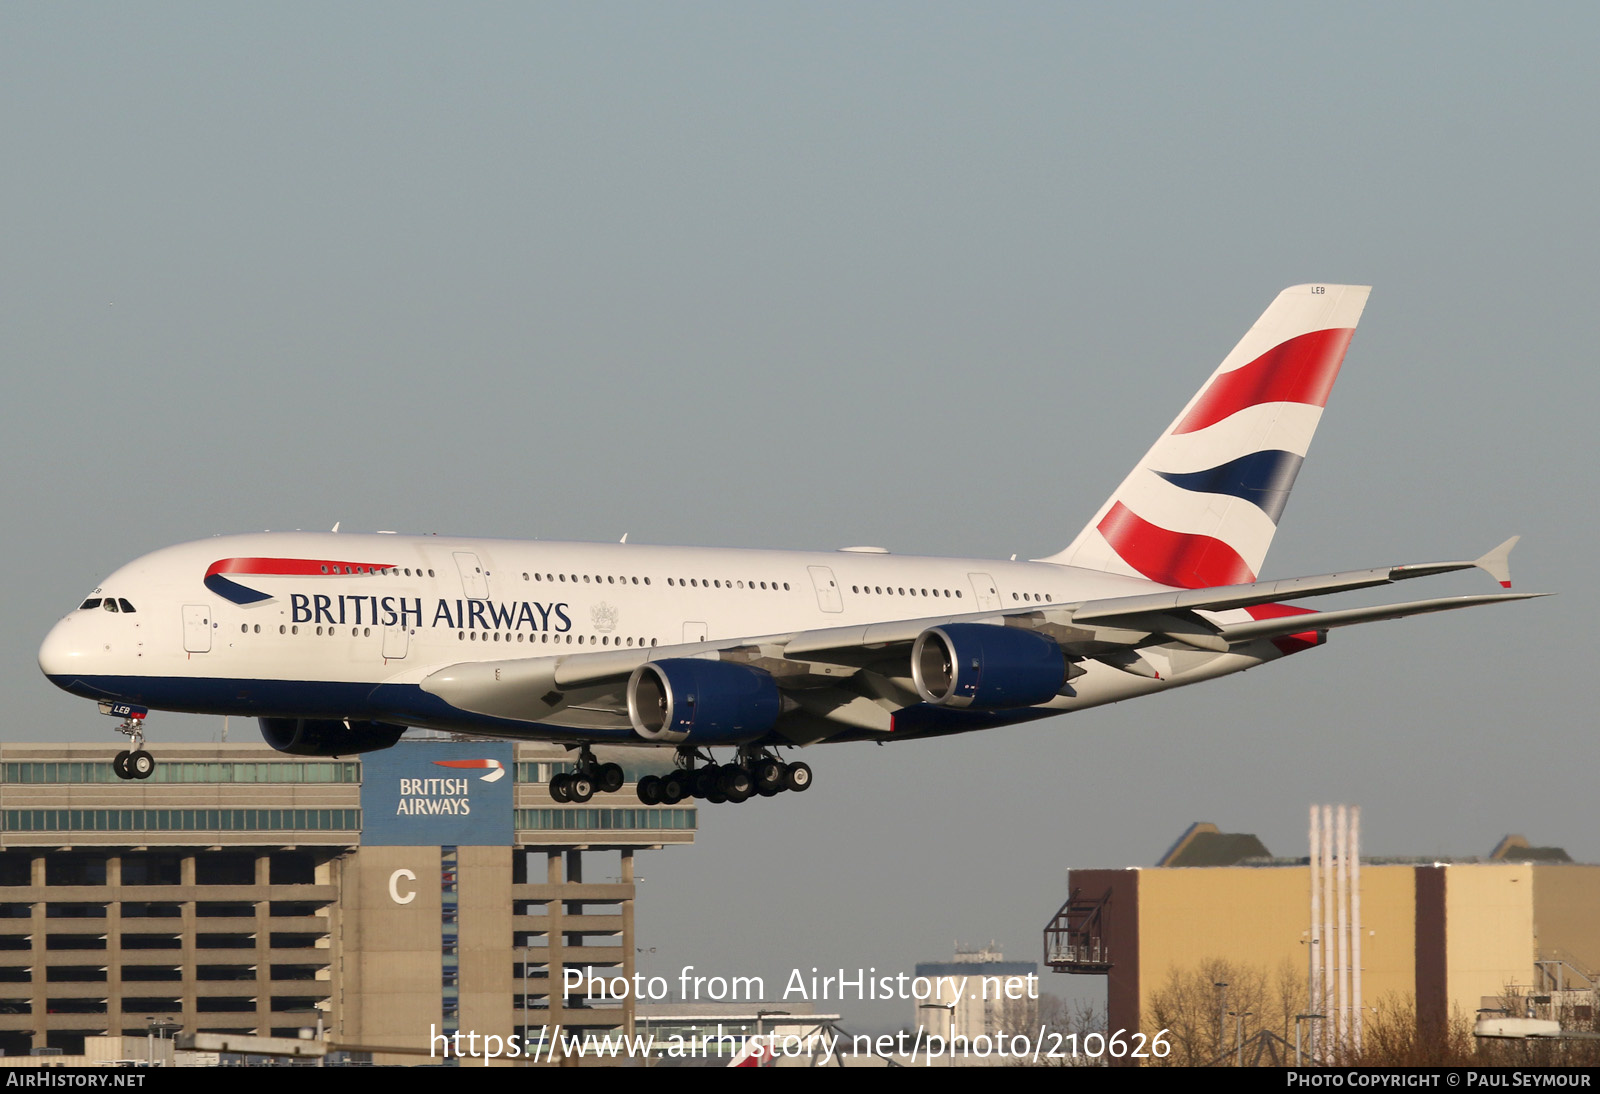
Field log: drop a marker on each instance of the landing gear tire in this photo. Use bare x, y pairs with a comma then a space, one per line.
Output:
561, 788
674, 788
119, 764
580, 786
608, 778
768, 776
798, 777
650, 790
704, 781
735, 782
140, 765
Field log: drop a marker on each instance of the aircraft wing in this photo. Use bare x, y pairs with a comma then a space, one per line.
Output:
1319, 621
1496, 563
830, 672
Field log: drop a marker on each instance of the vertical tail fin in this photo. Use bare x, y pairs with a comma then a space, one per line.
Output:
1201, 508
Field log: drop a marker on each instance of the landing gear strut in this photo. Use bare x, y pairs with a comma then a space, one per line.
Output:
134, 763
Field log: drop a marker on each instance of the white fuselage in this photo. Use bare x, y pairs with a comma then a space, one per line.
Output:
344, 625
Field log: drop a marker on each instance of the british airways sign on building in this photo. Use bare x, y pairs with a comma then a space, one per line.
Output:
436, 793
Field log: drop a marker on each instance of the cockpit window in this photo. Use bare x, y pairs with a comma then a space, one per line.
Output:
124, 605
92, 602
110, 605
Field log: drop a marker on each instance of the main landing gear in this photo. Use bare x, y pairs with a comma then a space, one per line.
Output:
755, 772
134, 763
581, 785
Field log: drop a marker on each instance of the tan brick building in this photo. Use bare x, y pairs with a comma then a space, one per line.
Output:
1444, 937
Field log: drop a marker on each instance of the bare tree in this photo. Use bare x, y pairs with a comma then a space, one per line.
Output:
1212, 1011
1065, 1025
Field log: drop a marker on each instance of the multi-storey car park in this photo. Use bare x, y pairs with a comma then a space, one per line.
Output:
431, 887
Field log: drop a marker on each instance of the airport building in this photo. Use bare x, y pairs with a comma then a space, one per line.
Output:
978, 993
425, 889
1441, 937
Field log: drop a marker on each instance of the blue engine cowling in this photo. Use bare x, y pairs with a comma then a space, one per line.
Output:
702, 702
327, 736
981, 666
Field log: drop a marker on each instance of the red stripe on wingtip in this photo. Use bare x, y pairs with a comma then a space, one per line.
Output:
1301, 370
1505, 584
1172, 558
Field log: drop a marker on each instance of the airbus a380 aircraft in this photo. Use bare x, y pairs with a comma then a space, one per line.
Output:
339, 642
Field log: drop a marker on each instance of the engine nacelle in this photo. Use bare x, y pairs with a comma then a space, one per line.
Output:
702, 702
327, 737
982, 666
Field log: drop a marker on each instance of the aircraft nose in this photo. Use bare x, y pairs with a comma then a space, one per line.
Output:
63, 654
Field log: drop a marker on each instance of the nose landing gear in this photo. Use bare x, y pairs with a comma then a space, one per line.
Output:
134, 763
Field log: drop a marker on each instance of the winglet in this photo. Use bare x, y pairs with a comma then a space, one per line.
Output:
1497, 563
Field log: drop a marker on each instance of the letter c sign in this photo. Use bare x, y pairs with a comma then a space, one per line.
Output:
394, 887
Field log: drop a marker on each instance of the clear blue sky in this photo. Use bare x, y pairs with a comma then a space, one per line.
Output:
926, 276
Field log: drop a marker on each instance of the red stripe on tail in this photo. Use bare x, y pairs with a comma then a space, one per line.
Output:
1301, 370
1172, 558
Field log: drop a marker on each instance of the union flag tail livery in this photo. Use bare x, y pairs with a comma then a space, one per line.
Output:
1201, 507
688, 650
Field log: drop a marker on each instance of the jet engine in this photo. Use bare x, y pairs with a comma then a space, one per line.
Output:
702, 702
983, 666
327, 736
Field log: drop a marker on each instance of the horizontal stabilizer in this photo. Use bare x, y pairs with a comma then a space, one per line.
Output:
1319, 621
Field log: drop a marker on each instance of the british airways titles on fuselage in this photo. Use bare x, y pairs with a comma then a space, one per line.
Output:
390, 611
